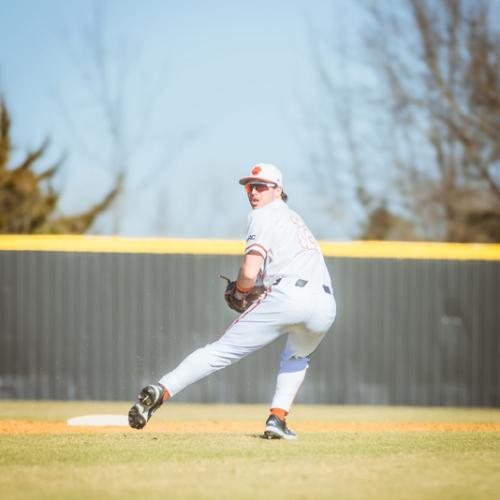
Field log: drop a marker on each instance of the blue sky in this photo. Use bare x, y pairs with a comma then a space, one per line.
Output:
204, 89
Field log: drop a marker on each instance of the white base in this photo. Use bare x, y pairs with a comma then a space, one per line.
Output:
102, 420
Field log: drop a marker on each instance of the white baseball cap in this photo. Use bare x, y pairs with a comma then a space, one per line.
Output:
264, 172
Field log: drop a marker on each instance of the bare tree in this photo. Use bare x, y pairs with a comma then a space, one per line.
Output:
438, 64
123, 98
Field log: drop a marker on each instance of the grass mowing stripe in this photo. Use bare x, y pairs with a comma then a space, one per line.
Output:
240, 465
340, 465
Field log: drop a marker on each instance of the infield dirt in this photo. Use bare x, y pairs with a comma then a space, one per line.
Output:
41, 427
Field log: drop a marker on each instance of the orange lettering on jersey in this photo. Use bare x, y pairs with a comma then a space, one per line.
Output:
256, 170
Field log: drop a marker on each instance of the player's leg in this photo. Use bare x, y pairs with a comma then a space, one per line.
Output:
293, 367
240, 340
247, 334
303, 340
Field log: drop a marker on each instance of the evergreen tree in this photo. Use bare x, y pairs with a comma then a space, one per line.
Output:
28, 201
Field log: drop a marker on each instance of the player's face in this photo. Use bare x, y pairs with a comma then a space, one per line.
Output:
260, 193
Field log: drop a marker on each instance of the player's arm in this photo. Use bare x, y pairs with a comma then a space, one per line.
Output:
249, 270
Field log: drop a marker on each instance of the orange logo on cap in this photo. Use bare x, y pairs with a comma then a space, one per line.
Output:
256, 170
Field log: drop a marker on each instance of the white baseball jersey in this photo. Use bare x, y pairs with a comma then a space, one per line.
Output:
289, 249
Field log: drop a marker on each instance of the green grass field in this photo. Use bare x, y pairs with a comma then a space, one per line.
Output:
358, 462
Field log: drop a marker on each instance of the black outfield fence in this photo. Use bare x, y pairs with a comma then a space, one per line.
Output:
96, 318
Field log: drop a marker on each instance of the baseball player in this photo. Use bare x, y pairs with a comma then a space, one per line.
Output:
283, 288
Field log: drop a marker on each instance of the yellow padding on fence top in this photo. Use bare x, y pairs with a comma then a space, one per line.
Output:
349, 249
411, 250
118, 244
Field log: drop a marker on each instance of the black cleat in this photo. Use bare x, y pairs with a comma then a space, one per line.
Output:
277, 429
150, 399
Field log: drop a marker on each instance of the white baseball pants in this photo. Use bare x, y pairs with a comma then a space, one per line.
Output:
305, 314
